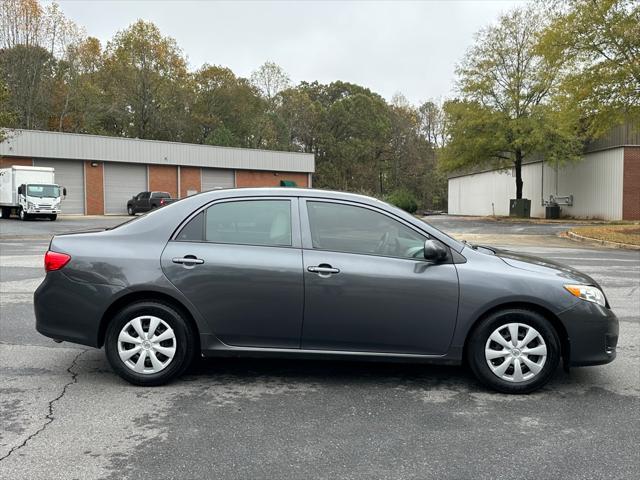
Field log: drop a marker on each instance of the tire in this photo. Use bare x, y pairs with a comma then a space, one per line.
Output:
183, 343
5, 212
53, 217
130, 210
22, 215
537, 360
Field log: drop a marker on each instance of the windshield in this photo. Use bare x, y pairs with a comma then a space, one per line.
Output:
41, 191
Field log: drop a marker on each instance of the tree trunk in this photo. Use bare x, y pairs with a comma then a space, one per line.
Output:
518, 164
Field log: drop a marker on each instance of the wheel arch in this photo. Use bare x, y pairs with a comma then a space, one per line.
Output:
557, 325
139, 296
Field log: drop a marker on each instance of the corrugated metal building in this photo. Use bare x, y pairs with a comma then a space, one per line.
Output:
605, 184
101, 173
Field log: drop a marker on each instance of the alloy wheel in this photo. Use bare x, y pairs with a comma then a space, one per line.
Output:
515, 352
146, 344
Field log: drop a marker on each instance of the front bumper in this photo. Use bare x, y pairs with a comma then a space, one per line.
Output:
592, 332
43, 211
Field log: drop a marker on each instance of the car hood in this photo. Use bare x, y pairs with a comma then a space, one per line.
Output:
540, 265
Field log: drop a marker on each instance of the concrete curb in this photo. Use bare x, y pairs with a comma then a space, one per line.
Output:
606, 243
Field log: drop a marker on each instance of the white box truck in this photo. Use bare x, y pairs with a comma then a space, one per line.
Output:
29, 192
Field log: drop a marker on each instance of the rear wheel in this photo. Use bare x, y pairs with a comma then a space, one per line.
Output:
514, 351
149, 343
130, 210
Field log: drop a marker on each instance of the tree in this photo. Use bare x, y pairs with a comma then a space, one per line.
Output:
270, 79
356, 137
599, 43
145, 82
21, 23
6, 115
77, 99
31, 38
224, 107
504, 111
27, 72
432, 123
302, 117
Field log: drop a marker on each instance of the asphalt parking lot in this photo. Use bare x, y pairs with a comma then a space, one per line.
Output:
64, 414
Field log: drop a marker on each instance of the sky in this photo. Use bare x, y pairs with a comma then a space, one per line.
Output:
409, 47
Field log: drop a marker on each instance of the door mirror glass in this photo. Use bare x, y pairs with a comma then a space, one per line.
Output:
20, 189
64, 191
434, 251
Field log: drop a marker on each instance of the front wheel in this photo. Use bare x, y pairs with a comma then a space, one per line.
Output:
149, 343
22, 215
514, 351
53, 217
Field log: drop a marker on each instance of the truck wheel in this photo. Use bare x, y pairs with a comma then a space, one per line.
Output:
130, 210
23, 215
53, 217
5, 212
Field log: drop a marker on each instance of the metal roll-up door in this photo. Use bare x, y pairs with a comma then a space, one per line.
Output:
121, 182
68, 174
213, 178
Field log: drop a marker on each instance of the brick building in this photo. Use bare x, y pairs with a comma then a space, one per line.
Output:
604, 184
102, 173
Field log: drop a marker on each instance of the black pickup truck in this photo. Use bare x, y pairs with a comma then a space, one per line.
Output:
145, 201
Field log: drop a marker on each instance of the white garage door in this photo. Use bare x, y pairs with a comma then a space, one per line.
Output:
68, 174
213, 178
121, 182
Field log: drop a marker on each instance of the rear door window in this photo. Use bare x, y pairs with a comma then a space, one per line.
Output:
249, 222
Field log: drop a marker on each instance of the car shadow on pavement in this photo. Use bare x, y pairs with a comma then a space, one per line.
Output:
340, 372
363, 374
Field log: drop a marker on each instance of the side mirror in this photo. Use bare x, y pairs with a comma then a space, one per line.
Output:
64, 191
434, 251
20, 190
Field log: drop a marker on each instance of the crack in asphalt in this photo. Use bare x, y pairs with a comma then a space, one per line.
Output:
49, 417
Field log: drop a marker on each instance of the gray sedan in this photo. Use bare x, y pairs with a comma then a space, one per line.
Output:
311, 273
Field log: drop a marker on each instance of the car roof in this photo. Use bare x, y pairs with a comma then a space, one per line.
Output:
292, 192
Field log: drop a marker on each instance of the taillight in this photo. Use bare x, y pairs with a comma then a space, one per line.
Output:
161, 201
55, 260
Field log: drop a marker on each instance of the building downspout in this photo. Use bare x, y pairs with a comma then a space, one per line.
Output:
542, 185
179, 185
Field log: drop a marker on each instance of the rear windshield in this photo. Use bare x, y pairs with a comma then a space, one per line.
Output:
160, 195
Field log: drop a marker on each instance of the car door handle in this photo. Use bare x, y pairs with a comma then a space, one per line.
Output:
323, 269
188, 260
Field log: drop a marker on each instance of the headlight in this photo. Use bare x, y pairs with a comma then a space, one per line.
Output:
30, 205
588, 293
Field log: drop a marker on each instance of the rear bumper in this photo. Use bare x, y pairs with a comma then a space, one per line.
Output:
592, 332
69, 310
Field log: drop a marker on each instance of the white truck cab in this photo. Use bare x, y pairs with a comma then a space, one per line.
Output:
30, 192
